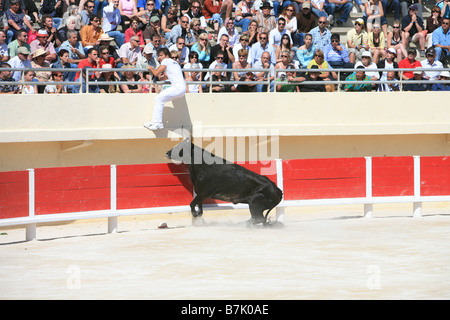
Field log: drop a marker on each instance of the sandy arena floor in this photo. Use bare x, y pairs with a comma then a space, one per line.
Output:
320, 253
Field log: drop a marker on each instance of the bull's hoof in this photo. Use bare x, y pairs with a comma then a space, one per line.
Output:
274, 224
198, 221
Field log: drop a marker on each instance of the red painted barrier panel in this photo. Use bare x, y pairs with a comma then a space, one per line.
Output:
392, 176
72, 189
13, 194
435, 176
153, 185
324, 178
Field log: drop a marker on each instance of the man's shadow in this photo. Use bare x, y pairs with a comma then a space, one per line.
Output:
175, 117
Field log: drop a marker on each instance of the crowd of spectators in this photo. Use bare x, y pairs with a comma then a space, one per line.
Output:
220, 34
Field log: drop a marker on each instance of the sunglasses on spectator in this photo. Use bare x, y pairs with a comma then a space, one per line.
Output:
446, 23
322, 22
195, 7
284, 56
184, 21
396, 27
263, 38
219, 58
335, 41
358, 24
290, 10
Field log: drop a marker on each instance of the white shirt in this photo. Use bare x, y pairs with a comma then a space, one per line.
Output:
184, 56
275, 36
111, 18
4, 50
434, 75
233, 39
372, 74
17, 63
174, 72
131, 54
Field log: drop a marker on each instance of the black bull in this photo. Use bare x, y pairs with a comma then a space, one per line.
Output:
217, 178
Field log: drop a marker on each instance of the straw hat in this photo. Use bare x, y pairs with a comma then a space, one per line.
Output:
39, 52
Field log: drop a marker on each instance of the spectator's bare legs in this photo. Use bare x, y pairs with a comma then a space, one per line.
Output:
227, 6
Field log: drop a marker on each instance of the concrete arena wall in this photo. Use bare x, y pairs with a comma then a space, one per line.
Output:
91, 129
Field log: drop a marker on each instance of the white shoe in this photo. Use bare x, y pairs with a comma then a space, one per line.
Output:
153, 125
330, 19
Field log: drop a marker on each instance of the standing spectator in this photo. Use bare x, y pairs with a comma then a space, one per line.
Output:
4, 55
21, 41
5, 76
260, 47
358, 75
408, 63
73, 47
264, 63
203, 48
431, 63
441, 40
265, 20
339, 6
444, 76
130, 52
42, 42
357, 41
394, 40
112, 19
321, 36
306, 22
244, 14
90, 34
17, 19
412, 27
306, 52
20, 61
377, 43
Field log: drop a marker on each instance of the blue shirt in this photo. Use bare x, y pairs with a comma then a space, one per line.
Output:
256, 51
332, 55
439, 37
66, 45
320, 41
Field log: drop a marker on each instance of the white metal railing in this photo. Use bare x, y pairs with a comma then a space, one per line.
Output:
338, 82
113, 213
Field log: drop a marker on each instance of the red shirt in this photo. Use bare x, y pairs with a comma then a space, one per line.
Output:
85, 63
405, 64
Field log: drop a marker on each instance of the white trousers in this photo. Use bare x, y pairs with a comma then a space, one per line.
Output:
161, 98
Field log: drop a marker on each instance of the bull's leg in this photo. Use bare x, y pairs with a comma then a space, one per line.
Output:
257, 212
197, 219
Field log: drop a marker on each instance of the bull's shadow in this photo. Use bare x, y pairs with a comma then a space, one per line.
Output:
216, 178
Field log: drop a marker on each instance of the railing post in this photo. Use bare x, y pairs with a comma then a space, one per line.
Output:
417, 205
368, 206
30, 233
280, 210
112, 221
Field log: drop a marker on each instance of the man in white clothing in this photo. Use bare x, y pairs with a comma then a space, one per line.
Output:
276, 34
176, 90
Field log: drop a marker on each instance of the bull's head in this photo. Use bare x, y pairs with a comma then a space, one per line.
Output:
182, 152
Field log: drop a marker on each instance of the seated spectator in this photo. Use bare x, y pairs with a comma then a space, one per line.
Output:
16, 19
367, 63
193, 59
433, 22
39, 61
220, 57
357, 41
422, 86
261, 46
152, 29
5, 76
444, 76
285, 45
130, 75
391, 5
306, 23
344, 7
108, 76
113, 56
42, 42
229, 29
203, 48
90, 34
286, 80
389, 87
70, 25
111, 20
86, 11
223, 45
63, 62
320, 62
431, 63
306, 52
269, 76
253, 34
244, 14
20, 62
318, 8
441, 41
72, 13
336, 54
127, 9
408, 63
313, 76
50, 27
105, 57
73, 47
130, 52
243, 44
289, 14
211, 11
195, 11
168, 21
276, 34
405, 4
412, 27
183, 51
373, 13
4, 55
218, 77
91, 61
147, 10
242, 63
321, 35
394, 40
29, 76
57, 76
134, 30
194, 76
21, 41
377, 43
358, 75
388, 63
147, 59
445, 8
